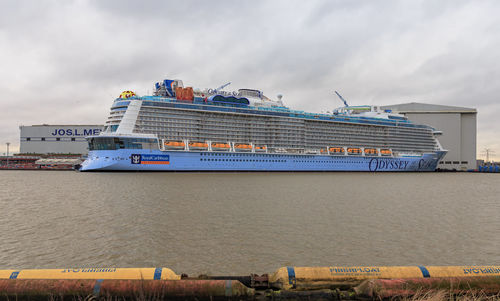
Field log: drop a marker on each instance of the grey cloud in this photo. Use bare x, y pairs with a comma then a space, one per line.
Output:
77, 56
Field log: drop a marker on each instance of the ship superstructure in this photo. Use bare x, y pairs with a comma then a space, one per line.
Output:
204, 123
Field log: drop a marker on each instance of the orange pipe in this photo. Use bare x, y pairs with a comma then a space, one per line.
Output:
199, 289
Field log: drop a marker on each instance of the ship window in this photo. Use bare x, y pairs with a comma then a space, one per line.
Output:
112, 143
73, 139
58, 139
465, 162
43, 139
28, 139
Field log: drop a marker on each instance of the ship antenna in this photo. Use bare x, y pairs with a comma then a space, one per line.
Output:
342, 98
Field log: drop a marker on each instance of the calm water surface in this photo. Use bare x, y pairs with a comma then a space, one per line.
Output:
241, 223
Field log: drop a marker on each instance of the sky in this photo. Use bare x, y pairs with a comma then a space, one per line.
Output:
64, 62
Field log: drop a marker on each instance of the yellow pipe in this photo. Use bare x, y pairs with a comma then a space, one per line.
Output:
5, 274
330, 277
93, 273
463, 271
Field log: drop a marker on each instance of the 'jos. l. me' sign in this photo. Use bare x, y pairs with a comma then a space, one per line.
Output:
75, 132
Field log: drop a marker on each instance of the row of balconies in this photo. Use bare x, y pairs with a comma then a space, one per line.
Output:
360, 137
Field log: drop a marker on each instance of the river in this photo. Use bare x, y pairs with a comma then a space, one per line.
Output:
242, 223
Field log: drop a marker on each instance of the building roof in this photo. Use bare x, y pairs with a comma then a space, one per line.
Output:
417, 107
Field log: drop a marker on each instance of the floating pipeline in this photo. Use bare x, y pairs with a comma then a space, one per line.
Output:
307, 278
93, 273
147, 289
329, 283
390, 288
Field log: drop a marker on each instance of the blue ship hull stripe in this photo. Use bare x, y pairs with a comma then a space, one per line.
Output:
226, 161
425, 272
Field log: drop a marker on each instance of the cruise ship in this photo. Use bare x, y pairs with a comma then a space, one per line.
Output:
184, 129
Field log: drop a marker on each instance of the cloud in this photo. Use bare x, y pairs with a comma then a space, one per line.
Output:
64, 62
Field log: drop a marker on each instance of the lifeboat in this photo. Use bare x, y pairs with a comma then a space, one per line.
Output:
386, 152
198, 145
323, 151
174, 144
371, 152
354, 151
336, 150
217, 146
243, 147
261, 148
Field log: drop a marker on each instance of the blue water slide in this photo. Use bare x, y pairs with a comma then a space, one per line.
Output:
169, 87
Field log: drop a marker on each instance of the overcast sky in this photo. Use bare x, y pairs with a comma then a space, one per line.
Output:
64, 62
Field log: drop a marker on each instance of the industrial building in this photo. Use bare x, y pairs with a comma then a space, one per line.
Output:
458, 127
56, 139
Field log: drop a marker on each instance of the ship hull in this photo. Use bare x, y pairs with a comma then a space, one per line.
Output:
156, 160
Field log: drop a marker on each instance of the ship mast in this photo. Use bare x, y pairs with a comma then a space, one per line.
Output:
342, 98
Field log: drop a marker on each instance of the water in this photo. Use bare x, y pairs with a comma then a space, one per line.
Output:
241, 223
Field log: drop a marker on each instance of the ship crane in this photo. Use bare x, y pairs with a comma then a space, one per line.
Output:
222, 87
342, 98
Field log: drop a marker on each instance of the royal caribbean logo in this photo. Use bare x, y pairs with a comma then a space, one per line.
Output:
136, 159
149, 159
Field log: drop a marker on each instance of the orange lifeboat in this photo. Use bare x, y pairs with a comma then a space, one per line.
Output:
371, 151
261, 148
386, 152
354, 151
198, 145
243, 147
217, 146
174, 144
336, 150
